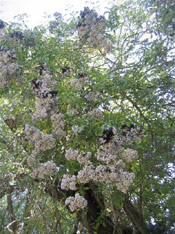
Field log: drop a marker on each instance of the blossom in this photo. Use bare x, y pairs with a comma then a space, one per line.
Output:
129, 155
69, 182
43, 170
124, 180
86, 174
76, 202
71, 154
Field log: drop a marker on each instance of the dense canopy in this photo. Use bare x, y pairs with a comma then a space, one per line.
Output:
87, 122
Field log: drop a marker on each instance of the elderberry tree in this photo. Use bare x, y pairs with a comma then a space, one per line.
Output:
87, 124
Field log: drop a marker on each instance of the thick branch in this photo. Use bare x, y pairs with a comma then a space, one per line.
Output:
135, 217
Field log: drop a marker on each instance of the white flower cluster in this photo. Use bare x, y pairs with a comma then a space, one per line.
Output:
46, 101
45, 107
31, 160
58, 125
84, 158
104, 173
69, 182
111, 150
76, 202
41, 142
43, 170
46, 75
111, 153
129, 155
127, 137
107, 153
124, 180
8, 68
75, 155
91, 29
71, 154
86, 174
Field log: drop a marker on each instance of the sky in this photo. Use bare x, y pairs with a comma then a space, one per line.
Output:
36, 9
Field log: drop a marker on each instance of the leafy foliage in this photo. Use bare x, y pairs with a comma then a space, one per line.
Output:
131, 83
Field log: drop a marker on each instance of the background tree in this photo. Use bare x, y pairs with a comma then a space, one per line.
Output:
87, 123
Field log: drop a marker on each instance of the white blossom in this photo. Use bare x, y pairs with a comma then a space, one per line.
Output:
76, 202
43, 170
84, 159
46, 103
124, 180
129, 155
86, 174
71, 154
106, 174
41, 142
91, 29
69, 182
45, 107
48, 78
58, 125
8, 68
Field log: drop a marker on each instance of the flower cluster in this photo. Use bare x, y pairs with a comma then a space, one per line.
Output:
58, 125
69, 182
124, 180
41, 141
43, 170
46, 75
84, 158
111, 154
8, 67
71, 154
91, 29
108, 153
129, 155
105, 173
86, 174
46, 106
130, 134
46, 101
76, 202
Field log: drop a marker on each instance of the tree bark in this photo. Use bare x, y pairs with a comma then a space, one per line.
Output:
135, 217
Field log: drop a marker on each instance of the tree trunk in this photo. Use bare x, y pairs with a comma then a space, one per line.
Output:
135, 217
